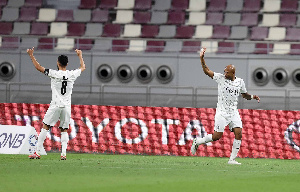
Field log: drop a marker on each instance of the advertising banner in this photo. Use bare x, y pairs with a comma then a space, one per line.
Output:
161, 130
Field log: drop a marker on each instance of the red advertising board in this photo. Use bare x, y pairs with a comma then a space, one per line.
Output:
162, 130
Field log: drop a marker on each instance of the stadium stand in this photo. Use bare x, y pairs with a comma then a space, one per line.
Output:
184, 32
141, 17
39, 28
149, 31
21, 28
46, 15
288, 6
82, 15
190, 46
64, 15
155, 46
216, 5
142, 4
234, 5
196, 18
100, 16
197, 5
33, 3
91, 4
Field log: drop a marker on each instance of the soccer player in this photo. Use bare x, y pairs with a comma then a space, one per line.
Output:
62, 81
229, 88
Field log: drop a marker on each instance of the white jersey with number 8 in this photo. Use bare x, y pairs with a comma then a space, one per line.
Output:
61, 85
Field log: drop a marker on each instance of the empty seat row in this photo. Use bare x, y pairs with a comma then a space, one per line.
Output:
121, 45
21, 3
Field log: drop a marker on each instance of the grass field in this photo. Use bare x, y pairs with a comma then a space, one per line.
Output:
95, 172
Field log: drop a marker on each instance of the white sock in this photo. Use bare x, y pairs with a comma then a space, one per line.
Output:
41, 139
235, 148
206, 139
64, 143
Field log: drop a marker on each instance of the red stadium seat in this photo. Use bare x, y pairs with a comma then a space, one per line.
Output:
10, 42
226, 47
88, 4
108, 4
263, 48
76, 29
259, 33
111, 30
287, 20
249, 19
120, 45
184, 32
155, 46
6, 28
39, 28
288, 6
47, 43
33, 3
252, 5
214, 18
142, 4
190, 46
179, 4
84, 44
64, 15
141, 17
221, 32
217, 5
28, 14
149, 31
3, 3
295, 49
176, 17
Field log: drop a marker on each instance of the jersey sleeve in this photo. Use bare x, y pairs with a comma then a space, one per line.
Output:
50, 73
217, 77
76, 73
243, 87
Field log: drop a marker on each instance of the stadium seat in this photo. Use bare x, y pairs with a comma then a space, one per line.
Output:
289, 6
84, 44
184, 32
93, 29
141, 17
125, 4
270, 20
252, 5
120, 45
249, 19
259, 33
28, 14
181, 5
87, 4
132, 30
99, 16
166, 31
10, 14
6, 28
214, 18
47, 43
159, 17
162, 5
21, 28
173, 46
276, 33
263, 48
281, 48
190, 46
287, 20
295, 49
203, 32
10, 43
149, 31
271, 6
246, 48
176, 17
155, 46
292, 34
33, 3
102, 45
124, 16
226, 47
46, 15
58, 29
221, 32
196, 18
216, 5
234, 5
108, 4
3, 3
64, 44
64, 15
15, 3
142, 4
197, 5
211, 47
136, 45
111, 30
29, 42
39, 28
76, 29
82, 15
239, 32
232, 19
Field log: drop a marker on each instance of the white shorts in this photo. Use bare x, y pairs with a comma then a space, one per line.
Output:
55, 113
222, 120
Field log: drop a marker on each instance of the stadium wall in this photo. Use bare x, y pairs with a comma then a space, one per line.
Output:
161, 130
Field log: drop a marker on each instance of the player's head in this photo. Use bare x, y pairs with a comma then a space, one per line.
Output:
62, 60
229, 72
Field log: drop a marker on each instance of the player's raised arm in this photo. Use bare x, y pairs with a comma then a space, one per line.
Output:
206, 70
34, 61
82, 64
249, 97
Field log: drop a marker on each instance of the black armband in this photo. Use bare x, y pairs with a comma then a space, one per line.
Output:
46, 72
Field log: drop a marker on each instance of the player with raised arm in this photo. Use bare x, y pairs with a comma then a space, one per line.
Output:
229, 88
62, 81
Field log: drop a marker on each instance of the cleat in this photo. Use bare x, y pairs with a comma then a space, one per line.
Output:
233, 162
194, 147
63, 157
34, 156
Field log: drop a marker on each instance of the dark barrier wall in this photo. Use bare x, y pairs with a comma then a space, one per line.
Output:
162, 130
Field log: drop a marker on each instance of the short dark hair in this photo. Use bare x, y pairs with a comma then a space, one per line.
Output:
63, 60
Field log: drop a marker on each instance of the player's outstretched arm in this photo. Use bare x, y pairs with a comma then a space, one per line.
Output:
34, 61
249, 97
206, 70
82, 64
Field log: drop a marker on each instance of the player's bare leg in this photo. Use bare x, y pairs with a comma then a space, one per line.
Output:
236, 146
208, 138
64, 143
41, 139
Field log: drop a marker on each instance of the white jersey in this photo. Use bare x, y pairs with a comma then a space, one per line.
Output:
228, 93
62, 85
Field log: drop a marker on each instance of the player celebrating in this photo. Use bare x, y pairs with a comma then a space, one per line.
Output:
229, 88
60, 107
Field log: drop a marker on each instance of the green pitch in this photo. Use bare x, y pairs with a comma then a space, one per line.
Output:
95, 172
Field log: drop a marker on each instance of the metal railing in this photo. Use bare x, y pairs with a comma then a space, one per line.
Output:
148, 95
